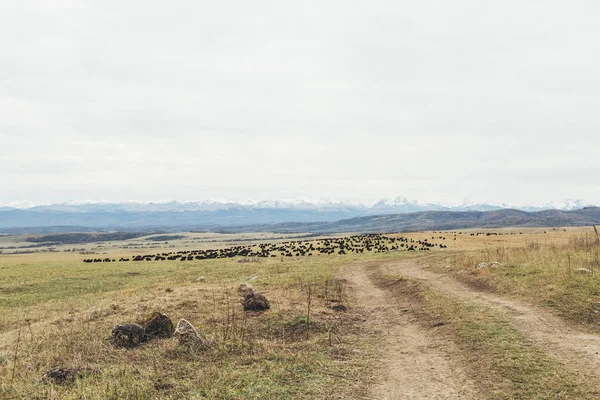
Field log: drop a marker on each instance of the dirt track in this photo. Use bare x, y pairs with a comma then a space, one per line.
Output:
417, 366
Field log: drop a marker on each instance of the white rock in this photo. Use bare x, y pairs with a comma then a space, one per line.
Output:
583, 271
483, 265
245, 288
188, 335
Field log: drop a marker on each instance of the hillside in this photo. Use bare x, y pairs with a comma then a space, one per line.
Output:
243, 221
214, 215
441, 220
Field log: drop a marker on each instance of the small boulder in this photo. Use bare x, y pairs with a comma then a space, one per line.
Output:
339, 307
128, 335
483, 265
187, 335
245, 288
157, 325
583, 271
255, 301
61, 376
201, 279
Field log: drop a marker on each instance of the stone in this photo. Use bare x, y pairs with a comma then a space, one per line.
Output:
483, 265
255, 301
245, 288
128, 335
157, 325
583, 271
61, 376
188, 336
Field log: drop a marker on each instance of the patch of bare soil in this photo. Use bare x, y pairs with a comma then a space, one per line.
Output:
414, 363
577, 350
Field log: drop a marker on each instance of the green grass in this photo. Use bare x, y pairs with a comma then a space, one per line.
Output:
64, 310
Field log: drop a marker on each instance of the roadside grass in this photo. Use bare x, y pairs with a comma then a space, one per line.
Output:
504, 363
61, 311
543, 273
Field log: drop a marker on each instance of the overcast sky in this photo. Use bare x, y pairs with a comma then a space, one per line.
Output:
352, 100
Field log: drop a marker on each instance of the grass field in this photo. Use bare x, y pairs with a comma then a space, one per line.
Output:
56, 311
558, 269
62, 311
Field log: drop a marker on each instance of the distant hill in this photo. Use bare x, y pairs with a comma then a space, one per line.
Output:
419, 221
212, 214
440, 220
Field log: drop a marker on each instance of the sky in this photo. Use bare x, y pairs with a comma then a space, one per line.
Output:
150, 100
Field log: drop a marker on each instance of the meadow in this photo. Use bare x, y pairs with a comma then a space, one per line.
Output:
57, 311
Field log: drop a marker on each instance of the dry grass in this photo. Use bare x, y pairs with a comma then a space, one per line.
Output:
62, 311
539, 268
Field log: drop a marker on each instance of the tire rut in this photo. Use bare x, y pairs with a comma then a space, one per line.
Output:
578, 351
414, 365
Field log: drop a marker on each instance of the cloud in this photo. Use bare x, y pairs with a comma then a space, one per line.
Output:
151, 100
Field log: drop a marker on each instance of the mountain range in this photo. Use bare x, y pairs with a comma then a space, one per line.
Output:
438, 220
221, 214
396, 205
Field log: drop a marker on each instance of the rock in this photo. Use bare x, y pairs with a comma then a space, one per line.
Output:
583, 271
483, 265
245, 288
448, 267
187, 335
128, 335
339, 308
61, 376
157, 325
201, 279
255, 301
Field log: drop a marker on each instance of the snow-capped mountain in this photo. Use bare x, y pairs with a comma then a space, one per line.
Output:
565, 205
396, 205
222, 213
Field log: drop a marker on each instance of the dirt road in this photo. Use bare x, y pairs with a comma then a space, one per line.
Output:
418, 365
579, 351
415, 365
